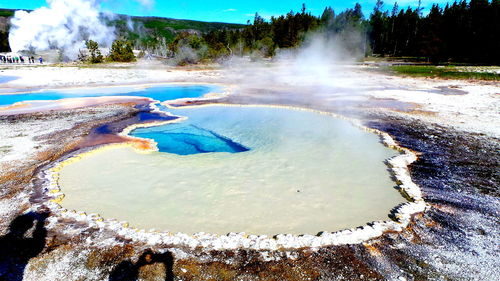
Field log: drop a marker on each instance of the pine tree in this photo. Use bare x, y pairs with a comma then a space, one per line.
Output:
121, 51
377, 28
95, 55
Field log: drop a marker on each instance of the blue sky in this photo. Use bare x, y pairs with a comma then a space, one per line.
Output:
222, 10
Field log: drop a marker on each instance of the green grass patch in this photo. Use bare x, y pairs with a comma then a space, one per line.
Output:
447, 72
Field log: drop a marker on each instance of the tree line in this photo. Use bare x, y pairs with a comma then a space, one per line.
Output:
458, 32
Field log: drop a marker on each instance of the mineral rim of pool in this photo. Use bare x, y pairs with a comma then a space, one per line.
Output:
299, 172
160, 93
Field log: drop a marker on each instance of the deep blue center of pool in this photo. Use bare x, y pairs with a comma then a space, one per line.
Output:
186, 139
161, 93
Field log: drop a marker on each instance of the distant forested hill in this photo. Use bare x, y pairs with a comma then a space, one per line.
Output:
143, 31
156, 32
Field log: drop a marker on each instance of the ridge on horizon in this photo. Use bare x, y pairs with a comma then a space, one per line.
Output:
4, 12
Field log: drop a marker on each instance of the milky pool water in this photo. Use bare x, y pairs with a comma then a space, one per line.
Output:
300, 172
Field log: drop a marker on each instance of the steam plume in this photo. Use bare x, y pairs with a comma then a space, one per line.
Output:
63, 25
314, 64
318, 73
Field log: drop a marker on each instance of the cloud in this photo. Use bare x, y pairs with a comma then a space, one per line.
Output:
230, 10
147, 4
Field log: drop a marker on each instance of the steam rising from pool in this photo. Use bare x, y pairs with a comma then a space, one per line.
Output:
304, 173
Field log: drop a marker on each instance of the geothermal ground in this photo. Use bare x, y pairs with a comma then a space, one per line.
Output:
453, 126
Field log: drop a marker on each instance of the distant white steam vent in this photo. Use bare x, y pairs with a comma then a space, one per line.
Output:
63, 25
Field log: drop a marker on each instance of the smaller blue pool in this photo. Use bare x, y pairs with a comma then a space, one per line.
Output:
5, 79
161, 93
186, 139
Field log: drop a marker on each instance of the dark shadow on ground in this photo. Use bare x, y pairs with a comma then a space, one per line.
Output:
127, 270
21, 244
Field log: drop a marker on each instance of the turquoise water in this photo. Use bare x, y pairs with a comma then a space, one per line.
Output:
161, 93
186, 138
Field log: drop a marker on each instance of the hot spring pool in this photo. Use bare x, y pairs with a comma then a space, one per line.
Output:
258, 170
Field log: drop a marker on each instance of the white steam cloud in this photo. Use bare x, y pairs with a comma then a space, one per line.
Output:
63, 25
